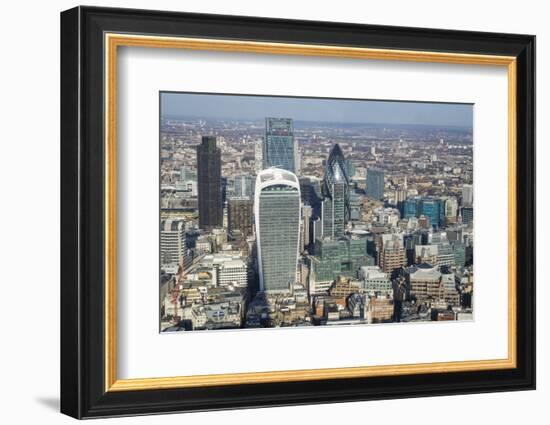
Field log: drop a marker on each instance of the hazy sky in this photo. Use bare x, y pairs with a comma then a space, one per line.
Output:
313, 109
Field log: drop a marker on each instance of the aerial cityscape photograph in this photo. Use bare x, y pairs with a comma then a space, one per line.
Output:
302, 211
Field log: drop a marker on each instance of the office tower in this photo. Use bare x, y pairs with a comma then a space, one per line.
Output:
338, 257
172, 244
445, 254
226, 269
239, 215
335, 189
376, 282
354, 206
410, 208
468, 215
399, 195
306, 227
451, 207
459, 251
258, 155
350, 168
392, 255
209, 168
297, 159
277, 221
375, 184
310, 190
244, 186
434, 210
467, 195
279, 147
425, 282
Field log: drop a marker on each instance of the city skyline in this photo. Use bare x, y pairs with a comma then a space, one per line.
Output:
267, 224
312, 109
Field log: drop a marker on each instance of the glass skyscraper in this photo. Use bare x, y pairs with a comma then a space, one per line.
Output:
279, 150
375, 184
434, 209
244, 185
410, 208
277, 221
335, 189
209, 170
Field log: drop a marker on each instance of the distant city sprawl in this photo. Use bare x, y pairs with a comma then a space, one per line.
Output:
281, 222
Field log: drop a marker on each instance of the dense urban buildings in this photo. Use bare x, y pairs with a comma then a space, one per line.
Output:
275, 222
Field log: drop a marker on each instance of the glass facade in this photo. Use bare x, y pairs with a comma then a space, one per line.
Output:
244, 186
336, 204
410, 208
342, 257
209, 170
277, 212
375, 184
279, 147
434, 209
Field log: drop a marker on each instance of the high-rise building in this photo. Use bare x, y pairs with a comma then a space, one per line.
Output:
335, 189
239, 215
434, 209
392, 255
467, 195
277, 221
209, 169
172, 244
310, 190
355, 206
468, 215
410, 208
451, 207
279, 146
350, 168
244, 186
258, 155
306, 227
375, 184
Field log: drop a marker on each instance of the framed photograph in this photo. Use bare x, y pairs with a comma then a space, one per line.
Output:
261, 212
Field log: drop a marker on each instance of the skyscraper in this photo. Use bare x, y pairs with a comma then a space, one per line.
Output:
258, 155
375, 184
239, 215
244, 185
209, 169
434, 209
335, 189
277, 221
172, 244
467, 195
279, 146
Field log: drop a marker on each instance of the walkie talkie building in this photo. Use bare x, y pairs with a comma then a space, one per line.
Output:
277, 221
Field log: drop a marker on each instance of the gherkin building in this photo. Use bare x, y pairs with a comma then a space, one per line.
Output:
336, 205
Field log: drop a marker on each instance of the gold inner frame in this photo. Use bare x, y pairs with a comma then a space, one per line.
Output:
113, 41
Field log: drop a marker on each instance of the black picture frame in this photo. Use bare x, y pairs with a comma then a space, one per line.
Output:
83, 392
